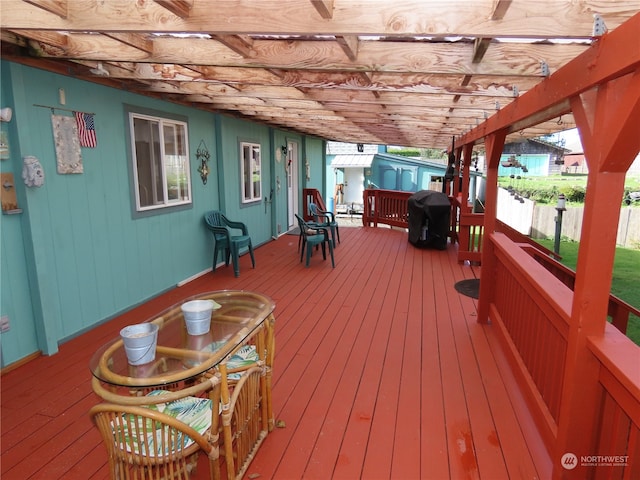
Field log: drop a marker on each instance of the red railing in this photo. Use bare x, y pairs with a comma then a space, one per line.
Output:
617, 310
311, 195
470, 234
389, 207
618, 422
531, 310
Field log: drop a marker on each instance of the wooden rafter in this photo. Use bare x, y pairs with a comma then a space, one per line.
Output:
180, 8
402, 72
57, 7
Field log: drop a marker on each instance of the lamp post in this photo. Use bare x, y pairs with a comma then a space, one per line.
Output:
560, 207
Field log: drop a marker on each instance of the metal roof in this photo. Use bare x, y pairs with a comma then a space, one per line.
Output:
352, 161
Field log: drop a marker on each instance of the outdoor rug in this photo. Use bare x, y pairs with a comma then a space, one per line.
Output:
470, 288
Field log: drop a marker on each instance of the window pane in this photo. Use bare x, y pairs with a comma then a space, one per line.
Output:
250, 172
246, 171
161, 163
148, 161
175, 161
256, 173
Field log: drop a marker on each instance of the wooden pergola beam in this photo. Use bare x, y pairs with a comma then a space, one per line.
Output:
180, 8
57, 7
615, 55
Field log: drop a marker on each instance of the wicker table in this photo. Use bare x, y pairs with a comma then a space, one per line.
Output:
189, 365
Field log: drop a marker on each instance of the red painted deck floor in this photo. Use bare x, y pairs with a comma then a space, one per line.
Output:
381, 372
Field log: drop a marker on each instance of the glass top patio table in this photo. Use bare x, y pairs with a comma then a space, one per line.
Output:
180, 356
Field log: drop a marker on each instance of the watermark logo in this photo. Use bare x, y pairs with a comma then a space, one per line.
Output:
569, 461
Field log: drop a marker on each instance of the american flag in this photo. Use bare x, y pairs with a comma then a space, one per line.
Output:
86, 129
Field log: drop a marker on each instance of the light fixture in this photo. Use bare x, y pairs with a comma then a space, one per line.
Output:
360, 147
285, 150
562, 203
5, 114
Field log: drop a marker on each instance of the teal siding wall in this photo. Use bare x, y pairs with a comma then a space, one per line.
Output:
90, 258
254, 215
15, 302
76, 256
315, 154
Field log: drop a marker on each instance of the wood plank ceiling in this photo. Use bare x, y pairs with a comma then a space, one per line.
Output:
394, 72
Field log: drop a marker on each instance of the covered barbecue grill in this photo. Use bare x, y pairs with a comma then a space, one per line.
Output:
429, 213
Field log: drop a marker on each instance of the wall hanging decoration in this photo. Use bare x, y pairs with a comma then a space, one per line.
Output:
4, 146
203, 156
65, 136
32, 172
5, 114
8, 194
85, 123
86, 129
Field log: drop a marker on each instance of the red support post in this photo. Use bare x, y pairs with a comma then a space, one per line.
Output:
493, 144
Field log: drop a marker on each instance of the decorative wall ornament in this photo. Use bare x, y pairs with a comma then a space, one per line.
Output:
32, 172
4, 146
65, 136
5, 114
203, 155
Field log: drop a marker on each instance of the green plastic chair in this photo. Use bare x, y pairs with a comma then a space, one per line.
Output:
325, 219
222, 230
312, 236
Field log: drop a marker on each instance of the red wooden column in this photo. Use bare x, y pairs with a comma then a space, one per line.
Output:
494, 144
608, 118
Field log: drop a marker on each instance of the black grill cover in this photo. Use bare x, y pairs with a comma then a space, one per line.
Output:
429, 213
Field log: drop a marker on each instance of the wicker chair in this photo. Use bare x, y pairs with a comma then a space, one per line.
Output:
146, 443
244, 422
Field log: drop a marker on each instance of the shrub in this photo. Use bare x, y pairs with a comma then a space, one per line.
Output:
574, 194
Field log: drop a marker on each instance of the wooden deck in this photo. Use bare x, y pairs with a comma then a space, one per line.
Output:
381, 371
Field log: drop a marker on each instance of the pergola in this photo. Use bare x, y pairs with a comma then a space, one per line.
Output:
411, 72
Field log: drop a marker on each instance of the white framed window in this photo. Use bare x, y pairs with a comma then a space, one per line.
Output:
160, 154
250, 172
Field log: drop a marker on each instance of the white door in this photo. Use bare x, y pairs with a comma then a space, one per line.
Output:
354, 185
292, 182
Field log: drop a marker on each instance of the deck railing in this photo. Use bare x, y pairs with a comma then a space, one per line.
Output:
530, 308
618, 310
618, 421
311, 195
470, 235
388, 207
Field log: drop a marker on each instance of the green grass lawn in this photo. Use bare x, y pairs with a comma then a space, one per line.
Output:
626, 279
545, 190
